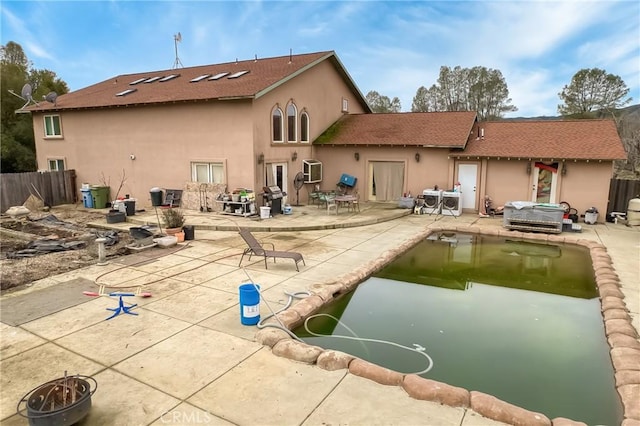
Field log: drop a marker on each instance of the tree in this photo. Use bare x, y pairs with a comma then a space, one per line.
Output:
17, 141
488, 93
427, 100
380, 103
466, 89
593, 89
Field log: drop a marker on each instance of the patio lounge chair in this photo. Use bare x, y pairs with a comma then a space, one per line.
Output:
255, 248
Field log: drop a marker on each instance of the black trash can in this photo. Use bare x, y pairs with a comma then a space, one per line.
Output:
156, 197
130, 206
189, 232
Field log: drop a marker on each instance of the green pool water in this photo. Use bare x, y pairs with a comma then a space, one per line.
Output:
514, 319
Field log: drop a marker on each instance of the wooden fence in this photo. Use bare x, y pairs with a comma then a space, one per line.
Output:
620, 192
54, 188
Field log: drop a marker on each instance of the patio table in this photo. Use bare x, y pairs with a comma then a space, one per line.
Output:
345, 200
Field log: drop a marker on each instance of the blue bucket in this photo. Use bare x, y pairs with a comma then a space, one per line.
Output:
249, 304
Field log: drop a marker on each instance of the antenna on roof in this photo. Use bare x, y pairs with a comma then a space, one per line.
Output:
290, 55
177, 38
26, 95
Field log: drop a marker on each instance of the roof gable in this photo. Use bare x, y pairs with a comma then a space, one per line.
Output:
233, 80
559, 139
426, 129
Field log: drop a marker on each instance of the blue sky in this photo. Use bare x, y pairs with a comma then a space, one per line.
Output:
392, 47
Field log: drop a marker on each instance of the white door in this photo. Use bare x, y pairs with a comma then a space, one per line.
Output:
468, 178
544, 183
276, 174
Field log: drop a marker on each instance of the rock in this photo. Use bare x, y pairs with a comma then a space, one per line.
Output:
562, 421
627, 377
334, 360
496, 409
619, 326
270, 336
619, 340
298, 351
630, 396
624, 358
378, 374
431, 390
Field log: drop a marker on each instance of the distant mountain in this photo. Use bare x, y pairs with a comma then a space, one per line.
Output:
627, 112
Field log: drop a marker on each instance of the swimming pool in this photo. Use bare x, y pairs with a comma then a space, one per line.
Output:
515, 319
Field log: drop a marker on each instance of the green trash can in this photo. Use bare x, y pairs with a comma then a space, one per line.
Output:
100, 195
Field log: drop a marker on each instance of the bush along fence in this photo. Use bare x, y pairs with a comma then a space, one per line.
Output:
54, 188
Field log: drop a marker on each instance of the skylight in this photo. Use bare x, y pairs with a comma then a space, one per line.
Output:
238, 74
152, 79
126, 92
140, 80
218, 76
169, 77
201, 77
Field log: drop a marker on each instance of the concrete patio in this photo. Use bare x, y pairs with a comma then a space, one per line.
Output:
186, 359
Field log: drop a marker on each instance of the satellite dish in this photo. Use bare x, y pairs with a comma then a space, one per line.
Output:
27, 95
26, 92
51, 97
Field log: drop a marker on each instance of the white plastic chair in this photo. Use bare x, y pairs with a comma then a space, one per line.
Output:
331, 205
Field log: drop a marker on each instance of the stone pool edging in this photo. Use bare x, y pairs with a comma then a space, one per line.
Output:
621, 336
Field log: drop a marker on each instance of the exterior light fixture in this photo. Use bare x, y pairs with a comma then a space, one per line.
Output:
564, 169
357, 156
417, 156
294, 156
529, 168
261, 158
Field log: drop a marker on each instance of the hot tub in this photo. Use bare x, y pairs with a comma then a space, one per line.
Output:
531, 216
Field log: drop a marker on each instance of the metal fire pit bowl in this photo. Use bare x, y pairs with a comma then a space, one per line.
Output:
60, 402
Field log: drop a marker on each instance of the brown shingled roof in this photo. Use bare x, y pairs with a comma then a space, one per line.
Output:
428, 129
263, 75
560, 139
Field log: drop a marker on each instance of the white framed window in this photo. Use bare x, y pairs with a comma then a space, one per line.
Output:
205, 172
292, 128
52, 126
304, 127
345, 105
277, 125
56, 164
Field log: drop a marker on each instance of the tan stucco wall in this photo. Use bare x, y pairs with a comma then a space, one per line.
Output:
434, 167
585, 185
163, 139
319, 91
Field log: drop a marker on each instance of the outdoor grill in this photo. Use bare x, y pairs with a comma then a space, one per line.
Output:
273, 195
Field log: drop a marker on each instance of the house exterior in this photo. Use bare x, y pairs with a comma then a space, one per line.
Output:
245, 124
546, 161
251, 124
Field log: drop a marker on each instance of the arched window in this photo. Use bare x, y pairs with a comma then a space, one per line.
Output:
292, 114
304, 127
277, 125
